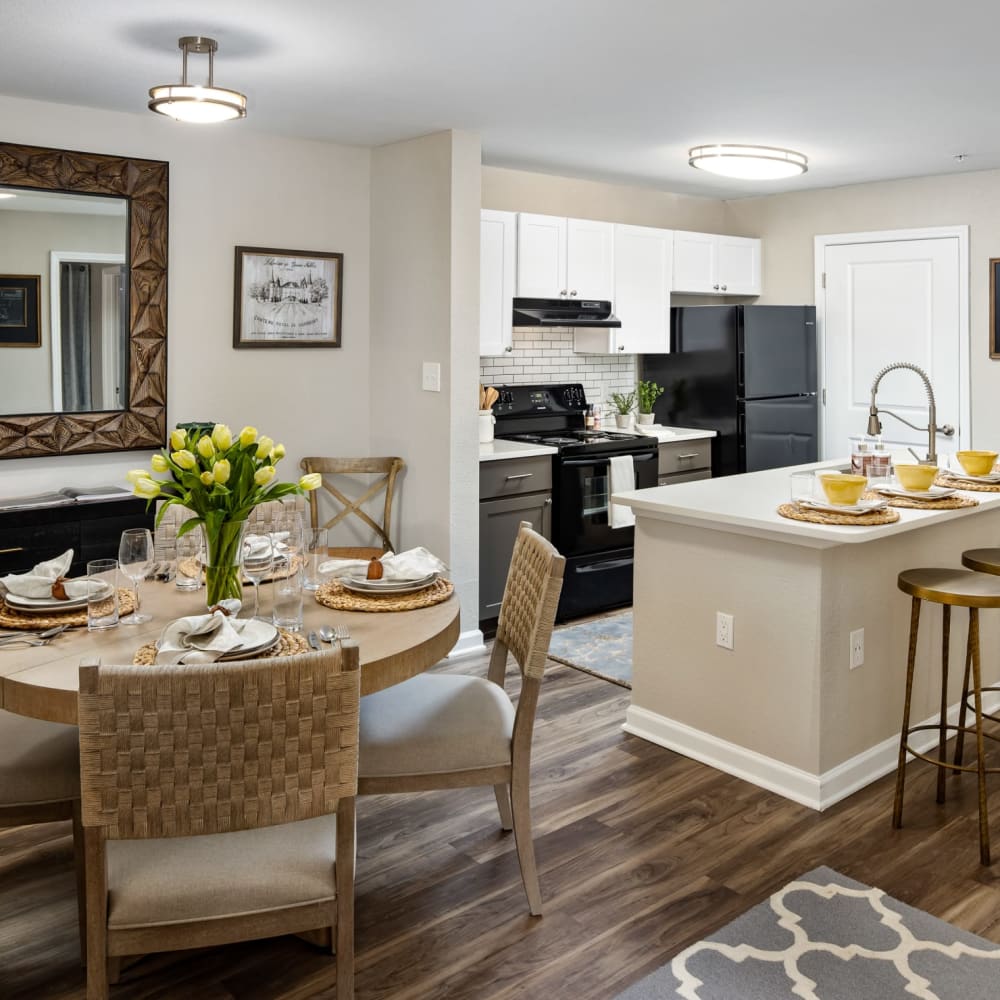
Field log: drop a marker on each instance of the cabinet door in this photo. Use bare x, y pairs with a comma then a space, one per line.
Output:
499, 521
590, 259
695, 263
738, 271
541, 256
497, 262
643, 269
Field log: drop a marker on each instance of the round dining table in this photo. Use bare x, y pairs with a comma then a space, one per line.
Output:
42, 681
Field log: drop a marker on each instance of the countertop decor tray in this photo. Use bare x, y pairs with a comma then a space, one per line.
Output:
795, 513
334, 595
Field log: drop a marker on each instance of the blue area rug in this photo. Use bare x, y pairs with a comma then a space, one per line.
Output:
602, 647
827, 937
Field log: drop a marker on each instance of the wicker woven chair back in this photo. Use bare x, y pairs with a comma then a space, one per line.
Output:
337, 474
530, 599
171, 751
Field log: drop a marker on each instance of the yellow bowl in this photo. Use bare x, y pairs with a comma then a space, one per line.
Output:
841, 489
976, 463
916, 477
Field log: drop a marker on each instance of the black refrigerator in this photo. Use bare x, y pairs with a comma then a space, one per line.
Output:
746, 372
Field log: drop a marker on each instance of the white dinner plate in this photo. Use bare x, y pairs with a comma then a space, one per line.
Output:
932, 493
993, 478
40, 605
257, 637
362, 585
861, 507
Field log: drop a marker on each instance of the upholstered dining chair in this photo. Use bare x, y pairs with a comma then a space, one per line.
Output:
40, 783
439, 731
339, 474
219, 806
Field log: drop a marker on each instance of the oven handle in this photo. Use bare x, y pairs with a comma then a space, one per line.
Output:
596, 459
600, 567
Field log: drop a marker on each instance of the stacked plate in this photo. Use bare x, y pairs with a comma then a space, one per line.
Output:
932, 493
258, 637
362, 585
48, 605
861, 507
992, 479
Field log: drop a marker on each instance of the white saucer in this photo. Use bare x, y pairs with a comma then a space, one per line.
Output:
931, 493
39, 605
861, 507
362, 585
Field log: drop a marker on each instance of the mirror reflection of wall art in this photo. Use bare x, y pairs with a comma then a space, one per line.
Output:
19, 326
287, 298
994, 313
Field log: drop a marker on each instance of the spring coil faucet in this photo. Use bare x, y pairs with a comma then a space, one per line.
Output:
875, 425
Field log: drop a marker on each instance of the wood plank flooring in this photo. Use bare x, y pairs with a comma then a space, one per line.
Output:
641, 852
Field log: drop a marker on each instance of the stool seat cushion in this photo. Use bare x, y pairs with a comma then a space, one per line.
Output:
39, 761
959, 587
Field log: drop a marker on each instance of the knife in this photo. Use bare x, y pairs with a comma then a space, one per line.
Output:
314, 640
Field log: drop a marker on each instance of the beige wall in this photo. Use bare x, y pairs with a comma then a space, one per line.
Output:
788, 223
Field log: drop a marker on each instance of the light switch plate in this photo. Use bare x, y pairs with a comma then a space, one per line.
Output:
431, 377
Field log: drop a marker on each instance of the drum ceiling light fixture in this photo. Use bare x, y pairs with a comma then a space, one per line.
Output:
192, 102
755, 163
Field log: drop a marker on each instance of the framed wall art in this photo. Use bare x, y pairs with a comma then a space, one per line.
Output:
19, 322
287, 298
994, 314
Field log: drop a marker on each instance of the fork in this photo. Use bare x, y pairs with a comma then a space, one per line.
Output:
342, 632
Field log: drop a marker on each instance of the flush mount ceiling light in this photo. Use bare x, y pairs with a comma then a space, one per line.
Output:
192, 102
755, 163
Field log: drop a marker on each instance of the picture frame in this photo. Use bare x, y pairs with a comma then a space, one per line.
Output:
994, 317
19, 320
287, 298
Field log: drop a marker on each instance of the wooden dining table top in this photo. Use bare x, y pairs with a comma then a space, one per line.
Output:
42, 681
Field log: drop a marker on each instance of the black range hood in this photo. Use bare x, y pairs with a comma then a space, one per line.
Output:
564, 312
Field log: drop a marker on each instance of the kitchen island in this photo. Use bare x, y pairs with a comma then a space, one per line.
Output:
783, 708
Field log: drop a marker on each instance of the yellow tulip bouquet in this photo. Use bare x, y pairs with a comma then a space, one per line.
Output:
221, 479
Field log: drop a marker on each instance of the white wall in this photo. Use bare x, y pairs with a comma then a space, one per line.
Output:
231, 186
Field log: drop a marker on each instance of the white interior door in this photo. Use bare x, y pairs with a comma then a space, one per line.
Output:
891, 300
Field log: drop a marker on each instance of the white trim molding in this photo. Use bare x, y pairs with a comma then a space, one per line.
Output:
469, 643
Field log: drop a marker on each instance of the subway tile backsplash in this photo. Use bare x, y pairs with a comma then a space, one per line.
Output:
546, 355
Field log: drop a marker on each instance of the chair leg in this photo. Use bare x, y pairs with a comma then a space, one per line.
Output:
521, 803
81, 879
346, 841
943, 714
897, 804
964, 704
97, 916
984, 827
502, 793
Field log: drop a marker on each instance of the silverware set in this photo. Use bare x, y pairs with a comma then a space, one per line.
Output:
328, 633
31, 638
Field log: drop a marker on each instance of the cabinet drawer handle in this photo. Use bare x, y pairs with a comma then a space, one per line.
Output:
690, 454
16, 548
523, 475
548, 502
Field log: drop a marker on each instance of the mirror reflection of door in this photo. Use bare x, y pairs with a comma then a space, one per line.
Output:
90, 353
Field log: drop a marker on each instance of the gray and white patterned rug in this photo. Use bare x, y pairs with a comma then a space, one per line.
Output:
827, 937
602, 647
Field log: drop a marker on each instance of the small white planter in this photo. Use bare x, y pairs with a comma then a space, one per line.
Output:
623, 421
645, 418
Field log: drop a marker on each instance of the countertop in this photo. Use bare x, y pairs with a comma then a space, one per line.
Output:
666, 434
496, 450
747, 505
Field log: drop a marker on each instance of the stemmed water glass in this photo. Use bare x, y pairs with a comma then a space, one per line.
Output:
258, 561
135, 556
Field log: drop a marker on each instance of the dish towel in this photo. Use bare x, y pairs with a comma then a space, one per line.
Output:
37, 583
413, 564
622, 479
201, 638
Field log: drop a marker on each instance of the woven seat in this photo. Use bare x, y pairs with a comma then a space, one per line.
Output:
224, 810
446, 731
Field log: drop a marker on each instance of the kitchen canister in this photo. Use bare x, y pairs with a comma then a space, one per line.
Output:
486, 422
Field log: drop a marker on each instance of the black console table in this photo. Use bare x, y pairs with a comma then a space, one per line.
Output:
91, 528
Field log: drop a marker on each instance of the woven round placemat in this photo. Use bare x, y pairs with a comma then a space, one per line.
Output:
795, 513
961, 484
193, 567
945, 503
335, 595
13, 618
289, 643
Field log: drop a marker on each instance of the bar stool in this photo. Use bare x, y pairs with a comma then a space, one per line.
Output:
949, 588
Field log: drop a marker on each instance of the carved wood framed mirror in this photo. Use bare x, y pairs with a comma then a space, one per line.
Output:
90, 405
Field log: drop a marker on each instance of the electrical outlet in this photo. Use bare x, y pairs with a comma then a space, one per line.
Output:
723, 630
431, 376
857, 648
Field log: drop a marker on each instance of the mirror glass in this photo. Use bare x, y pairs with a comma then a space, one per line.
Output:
76, 246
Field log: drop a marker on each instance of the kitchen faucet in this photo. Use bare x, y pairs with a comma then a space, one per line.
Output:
875, 425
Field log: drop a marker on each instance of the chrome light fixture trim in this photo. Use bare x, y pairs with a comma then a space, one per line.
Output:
748, 162
191, 102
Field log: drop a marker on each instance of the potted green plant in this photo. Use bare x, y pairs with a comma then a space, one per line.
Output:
624, 404
649, 393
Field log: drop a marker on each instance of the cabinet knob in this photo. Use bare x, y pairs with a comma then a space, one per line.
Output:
548, 502
724, 287
621, 347
509, 349
716, 287
573, 292
563, 292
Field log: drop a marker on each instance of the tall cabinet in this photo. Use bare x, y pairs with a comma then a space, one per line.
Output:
497, 274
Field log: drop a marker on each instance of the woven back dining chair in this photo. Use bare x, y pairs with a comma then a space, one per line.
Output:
438, 731
261, 520
342, 474
219, 806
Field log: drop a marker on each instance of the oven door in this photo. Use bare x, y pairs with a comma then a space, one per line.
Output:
582, 488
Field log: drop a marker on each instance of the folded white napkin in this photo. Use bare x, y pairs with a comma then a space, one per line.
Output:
254, 544
200, 638
38, 581
413, 564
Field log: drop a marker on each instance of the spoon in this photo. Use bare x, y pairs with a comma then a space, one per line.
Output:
326, 633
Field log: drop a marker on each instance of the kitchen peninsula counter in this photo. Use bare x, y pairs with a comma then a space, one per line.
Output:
782, 708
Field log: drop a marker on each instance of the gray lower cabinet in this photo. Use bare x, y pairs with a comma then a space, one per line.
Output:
510, 492
684, 461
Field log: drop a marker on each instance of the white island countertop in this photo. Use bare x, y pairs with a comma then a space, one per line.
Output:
496, 450
747, 505
664, 433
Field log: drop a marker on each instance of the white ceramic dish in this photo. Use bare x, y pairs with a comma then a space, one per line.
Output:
257, 637
993, 478
861, 507
361, 585
40, 605
933, 493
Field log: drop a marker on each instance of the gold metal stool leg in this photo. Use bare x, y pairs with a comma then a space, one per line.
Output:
984, 823
964, 704
943, 717
897, 804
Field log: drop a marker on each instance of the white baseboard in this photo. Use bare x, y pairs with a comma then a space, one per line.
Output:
468, 643
818, 791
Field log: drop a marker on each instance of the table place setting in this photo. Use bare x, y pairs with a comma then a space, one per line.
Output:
396, 581
846, 501
977, 472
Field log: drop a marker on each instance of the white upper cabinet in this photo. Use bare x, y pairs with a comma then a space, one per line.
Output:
643, 268
564, 258
709, 264
497, 267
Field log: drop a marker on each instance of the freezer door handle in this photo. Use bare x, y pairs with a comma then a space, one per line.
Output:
740, 373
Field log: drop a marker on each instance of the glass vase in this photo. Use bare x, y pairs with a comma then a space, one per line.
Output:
223, 561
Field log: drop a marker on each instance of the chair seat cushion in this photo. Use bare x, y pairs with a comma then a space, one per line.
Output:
172, 879
39, 761
434, 723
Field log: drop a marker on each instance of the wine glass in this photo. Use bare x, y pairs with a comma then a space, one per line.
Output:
258, 561
135, 556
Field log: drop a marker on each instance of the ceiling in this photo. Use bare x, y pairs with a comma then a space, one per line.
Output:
610, 89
